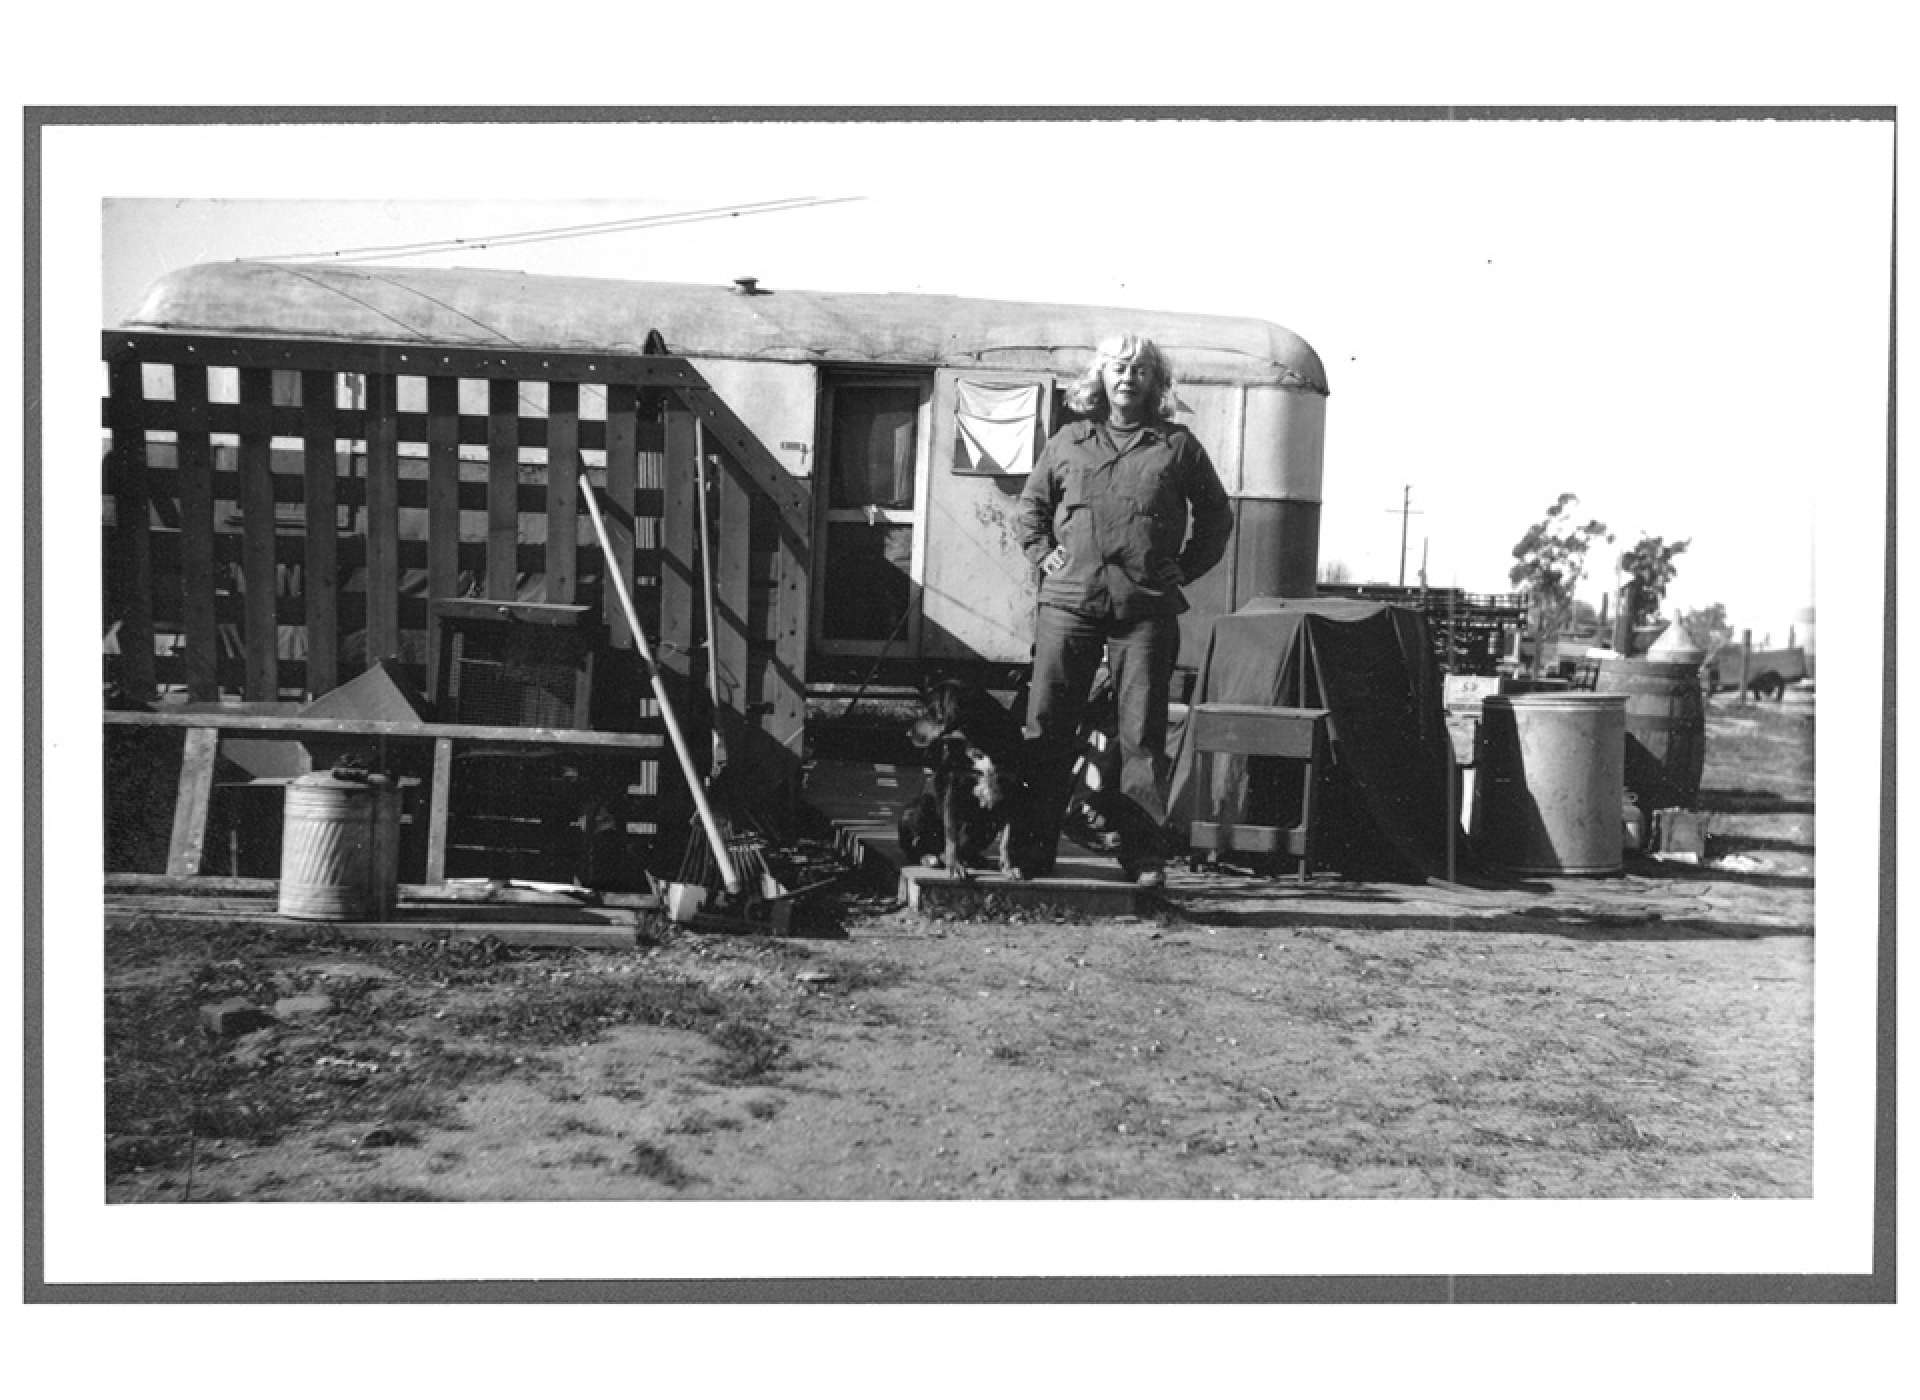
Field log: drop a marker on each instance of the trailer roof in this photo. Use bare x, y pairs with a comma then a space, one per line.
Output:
742, 321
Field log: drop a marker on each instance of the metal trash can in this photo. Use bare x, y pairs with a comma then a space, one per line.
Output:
340, 847
1549, 783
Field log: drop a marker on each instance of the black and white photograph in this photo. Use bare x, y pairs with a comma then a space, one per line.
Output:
1044, 696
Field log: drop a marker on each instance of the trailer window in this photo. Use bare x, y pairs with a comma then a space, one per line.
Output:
873, 435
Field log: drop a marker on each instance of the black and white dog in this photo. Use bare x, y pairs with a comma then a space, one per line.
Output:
975, 797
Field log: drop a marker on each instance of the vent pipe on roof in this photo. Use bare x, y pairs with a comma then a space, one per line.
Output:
747, 287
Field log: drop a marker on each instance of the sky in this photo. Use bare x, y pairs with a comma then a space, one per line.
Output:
1684, 323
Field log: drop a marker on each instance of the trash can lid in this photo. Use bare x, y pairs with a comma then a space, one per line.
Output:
356, 779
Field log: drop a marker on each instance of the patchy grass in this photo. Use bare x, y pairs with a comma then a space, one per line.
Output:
1607, 1125
397, 1048
390, 1191
699, 1122
748, 1052
577, 1007
1759, 757
655, 1163
168, 1085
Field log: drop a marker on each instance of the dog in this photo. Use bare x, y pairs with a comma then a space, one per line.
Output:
975, 796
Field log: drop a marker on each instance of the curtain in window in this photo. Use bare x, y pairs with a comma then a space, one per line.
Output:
873, 440
997, 427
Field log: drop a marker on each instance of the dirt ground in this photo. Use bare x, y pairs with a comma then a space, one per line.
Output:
1646, 1035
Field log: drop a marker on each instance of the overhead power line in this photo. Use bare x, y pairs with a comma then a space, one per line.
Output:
637, 223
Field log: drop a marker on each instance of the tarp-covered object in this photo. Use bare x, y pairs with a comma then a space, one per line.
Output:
1389, 809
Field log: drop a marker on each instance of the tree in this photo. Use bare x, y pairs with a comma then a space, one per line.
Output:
1708, 627
1650, 565
1549, 563
1334, 571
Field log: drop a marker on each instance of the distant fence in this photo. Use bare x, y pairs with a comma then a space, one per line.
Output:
1470, 630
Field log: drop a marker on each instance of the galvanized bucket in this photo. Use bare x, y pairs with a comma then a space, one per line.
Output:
340, 847
1549, 779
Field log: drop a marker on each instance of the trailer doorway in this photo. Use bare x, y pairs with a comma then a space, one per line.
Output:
870, 546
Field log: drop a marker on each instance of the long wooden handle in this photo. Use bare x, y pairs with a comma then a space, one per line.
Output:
729, 876
706, 588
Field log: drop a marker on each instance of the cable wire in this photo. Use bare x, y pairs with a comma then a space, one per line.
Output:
559, 233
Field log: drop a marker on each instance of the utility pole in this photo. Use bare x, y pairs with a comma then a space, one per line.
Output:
1406, 509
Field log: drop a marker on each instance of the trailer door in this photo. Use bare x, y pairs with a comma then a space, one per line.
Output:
870, 553
977, 593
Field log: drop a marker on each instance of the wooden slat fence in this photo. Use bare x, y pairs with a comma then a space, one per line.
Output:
280, 514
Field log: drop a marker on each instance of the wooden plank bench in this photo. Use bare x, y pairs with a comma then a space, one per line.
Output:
204, 731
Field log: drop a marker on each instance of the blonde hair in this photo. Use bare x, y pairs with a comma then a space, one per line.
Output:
1088, 394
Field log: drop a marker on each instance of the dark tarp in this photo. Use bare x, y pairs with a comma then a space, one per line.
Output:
1389, 808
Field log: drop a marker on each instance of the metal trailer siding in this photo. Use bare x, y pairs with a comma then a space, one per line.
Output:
1253, 392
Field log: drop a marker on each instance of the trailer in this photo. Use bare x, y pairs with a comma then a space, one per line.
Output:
313, 470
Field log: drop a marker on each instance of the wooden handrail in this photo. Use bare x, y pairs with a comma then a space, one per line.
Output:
298, 726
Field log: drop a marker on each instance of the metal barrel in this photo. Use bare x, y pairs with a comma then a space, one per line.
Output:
1666, 739
1549, 781
339, 849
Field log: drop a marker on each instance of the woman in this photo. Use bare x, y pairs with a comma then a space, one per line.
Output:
1104, 518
